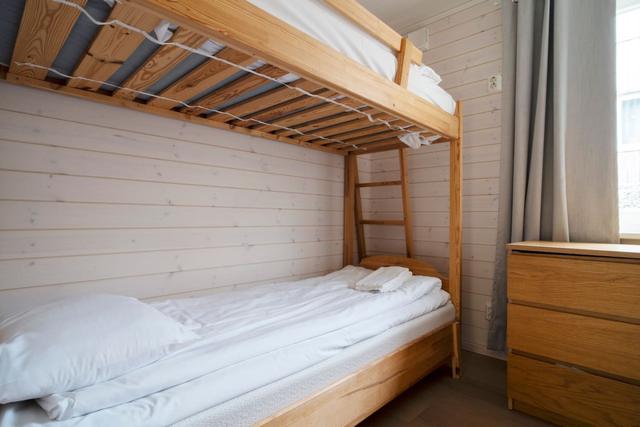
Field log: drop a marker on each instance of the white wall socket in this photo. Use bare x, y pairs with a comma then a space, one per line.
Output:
494, 84
488, 311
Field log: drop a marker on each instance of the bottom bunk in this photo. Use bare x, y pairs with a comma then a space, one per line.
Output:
313, 351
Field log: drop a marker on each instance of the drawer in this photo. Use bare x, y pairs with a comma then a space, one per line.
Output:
572, 393
599, 344
597, 286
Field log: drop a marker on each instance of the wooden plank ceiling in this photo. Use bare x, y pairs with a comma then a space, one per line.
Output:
316, 122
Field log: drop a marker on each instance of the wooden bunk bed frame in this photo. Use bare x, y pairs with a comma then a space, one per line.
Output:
248, 33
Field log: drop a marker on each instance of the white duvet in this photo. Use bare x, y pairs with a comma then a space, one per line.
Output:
249, 338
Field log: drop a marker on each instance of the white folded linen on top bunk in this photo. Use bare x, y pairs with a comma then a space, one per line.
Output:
257, 335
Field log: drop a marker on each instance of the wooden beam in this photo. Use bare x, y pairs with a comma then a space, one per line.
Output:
404, 63
362, 244
394, 144
379, 183
264, 101
113, 46
369, 22
162, 61
360, 123
386, 144
313, 125
382, 222
286, 108
201, 78
160, 112
455, 215
44, 29
348, 210
382, 133
313, 113
240, 24
406, 201
241, 85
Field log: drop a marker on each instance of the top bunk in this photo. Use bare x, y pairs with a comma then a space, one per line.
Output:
326, 75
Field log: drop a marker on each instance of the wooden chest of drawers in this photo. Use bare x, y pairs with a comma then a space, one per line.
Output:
574, 332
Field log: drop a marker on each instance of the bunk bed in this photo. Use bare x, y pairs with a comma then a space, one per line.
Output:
302, 92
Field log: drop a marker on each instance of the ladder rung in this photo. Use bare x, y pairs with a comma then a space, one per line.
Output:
379, 184
382, 221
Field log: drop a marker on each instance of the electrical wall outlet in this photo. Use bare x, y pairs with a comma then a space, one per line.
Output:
488, 311
494, 84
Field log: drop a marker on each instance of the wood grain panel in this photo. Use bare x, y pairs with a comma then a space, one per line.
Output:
593, 343
203, 77
161, 62
577, 395
556, 281
234, 89
117, 201
112, 46
254, 105
43, 31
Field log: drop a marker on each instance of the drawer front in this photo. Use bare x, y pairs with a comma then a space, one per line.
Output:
572, 393
608, 288
599, 344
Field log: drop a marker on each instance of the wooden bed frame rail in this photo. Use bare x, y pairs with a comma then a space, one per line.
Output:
355, 397
338, 105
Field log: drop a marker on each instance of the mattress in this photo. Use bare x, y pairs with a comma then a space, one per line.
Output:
259, 404
329, 26
250, 339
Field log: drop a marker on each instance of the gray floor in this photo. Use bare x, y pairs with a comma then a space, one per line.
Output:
478, 399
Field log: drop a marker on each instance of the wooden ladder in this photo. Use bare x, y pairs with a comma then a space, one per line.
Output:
352, 196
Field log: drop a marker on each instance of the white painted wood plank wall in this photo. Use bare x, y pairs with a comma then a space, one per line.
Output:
465, 49
95, 198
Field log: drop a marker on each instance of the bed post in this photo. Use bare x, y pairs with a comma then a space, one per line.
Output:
349, 190
455, 236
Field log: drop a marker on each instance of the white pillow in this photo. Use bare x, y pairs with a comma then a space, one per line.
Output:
384, 279
79, 341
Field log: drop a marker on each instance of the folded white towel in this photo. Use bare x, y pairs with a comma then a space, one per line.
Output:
384, 279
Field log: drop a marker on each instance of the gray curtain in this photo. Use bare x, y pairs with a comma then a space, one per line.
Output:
558, 161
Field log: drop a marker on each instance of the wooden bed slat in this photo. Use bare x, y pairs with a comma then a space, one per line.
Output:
112, 46
201, 78
44, 29
241, 85
240, 24
286, 108
259, 103
322, 110
385, 144
163, 60
337, 130
379, 136
313, 125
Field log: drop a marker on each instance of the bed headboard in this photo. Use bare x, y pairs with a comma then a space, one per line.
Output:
416, 266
